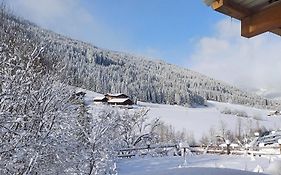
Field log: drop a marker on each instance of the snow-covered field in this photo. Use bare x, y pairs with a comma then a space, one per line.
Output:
200, 165
200, 120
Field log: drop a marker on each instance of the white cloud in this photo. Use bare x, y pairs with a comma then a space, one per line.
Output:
71, 18
247, 63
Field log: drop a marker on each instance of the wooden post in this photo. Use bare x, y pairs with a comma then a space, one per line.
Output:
279, 142
227, 147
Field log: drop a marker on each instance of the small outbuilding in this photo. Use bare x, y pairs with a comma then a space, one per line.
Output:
113, 96
120, 101
101, 99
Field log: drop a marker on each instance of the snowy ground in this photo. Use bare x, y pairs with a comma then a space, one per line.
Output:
200, 165
200, 120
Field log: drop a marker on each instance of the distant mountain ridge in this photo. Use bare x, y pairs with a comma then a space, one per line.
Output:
100, 70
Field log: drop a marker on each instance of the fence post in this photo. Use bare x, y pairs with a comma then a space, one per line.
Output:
227, 142
279, 142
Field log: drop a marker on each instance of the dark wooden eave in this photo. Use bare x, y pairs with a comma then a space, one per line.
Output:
254, 21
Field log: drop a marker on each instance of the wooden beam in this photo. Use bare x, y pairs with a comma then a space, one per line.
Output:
276, 31
268, 19
230, 8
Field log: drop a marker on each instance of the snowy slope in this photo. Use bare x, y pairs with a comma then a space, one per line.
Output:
200, 120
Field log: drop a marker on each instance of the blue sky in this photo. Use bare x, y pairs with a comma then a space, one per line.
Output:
165, 29
182, 32
157, 28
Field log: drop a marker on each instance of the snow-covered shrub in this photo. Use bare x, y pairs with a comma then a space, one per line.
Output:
240, 113
98, 139
32, 105
226, 111
236, 112
167, 134
136, 129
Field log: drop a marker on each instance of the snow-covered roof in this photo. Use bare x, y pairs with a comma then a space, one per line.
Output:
118, 100
115, 95
99, 98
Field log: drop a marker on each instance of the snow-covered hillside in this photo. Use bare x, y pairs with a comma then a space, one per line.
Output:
84, 65
200, 120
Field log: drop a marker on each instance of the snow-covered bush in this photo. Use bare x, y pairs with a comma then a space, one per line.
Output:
98, 138
167, 134
32, 105
236, 112
136, 129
